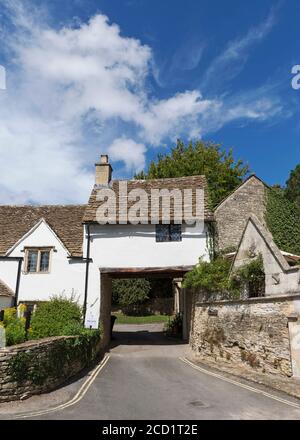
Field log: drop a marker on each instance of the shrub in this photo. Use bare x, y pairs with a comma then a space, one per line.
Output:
15, 332
211, 277
55, 318
73, 329
10, 315
252, 276
174, 327
215, 277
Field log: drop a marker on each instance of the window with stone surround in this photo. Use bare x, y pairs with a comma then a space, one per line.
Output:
37, 260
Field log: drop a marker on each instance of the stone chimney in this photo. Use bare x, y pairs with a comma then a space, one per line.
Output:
103, 171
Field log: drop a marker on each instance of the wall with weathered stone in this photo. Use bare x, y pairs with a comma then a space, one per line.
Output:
253, 332
36, 367
280, 278
232, 214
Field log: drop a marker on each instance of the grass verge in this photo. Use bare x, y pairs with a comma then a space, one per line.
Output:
149, 319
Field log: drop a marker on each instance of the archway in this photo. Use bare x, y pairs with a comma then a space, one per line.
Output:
108, 274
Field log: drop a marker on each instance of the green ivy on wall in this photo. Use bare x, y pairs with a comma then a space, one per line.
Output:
27, 366
283, 221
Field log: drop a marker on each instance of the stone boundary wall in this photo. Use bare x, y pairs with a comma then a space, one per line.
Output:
254, 333
35, 367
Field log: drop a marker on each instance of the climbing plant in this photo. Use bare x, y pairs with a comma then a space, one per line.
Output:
27, 366
252, 276
211, 277
283, 220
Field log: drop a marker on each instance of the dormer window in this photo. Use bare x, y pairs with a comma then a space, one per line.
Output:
37, 260
168, 233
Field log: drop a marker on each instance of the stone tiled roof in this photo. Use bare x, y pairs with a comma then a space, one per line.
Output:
5, 290
65, 220
192, 182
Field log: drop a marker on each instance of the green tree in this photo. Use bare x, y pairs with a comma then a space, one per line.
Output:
223, 173
128, 292
292, 190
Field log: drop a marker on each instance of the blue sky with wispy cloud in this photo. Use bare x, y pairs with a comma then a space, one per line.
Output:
128, 77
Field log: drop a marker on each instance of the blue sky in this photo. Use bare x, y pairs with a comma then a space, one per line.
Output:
128, 77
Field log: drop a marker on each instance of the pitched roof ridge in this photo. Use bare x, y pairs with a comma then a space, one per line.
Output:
160, 178
64, 220
268, 239
239, 186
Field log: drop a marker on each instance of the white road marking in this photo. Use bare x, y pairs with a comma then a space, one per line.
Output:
78, 396
239, 384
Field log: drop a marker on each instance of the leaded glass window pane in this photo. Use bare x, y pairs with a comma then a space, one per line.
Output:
168, 233
32, 261
162, 233
175, 232
44, 261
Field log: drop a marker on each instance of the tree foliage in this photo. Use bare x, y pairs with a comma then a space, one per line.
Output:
130, 291
223, 173
292, 190
283, 221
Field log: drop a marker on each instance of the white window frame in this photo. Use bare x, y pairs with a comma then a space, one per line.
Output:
39, 250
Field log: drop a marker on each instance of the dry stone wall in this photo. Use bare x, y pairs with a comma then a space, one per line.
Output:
252, 333
39, 366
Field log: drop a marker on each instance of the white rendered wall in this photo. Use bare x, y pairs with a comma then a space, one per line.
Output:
111, 246
117, 246
66, 276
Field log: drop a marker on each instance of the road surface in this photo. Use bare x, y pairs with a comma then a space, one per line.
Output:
144, 378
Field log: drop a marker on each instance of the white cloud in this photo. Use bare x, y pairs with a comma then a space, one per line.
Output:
231, 61
128, 151
74, 92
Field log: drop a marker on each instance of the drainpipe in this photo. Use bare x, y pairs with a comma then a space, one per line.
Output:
18, 282
19, 260
86, 271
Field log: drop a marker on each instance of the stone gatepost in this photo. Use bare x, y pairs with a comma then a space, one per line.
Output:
105, 308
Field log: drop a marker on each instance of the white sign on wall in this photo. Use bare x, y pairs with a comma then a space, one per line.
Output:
91, 321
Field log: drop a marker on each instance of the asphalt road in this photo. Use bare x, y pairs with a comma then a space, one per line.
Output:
145, 379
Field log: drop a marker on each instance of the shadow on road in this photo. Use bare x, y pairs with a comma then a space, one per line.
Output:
148, 334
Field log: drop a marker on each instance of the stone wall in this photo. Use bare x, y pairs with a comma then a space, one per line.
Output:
232, 214
252, 333
40, 366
